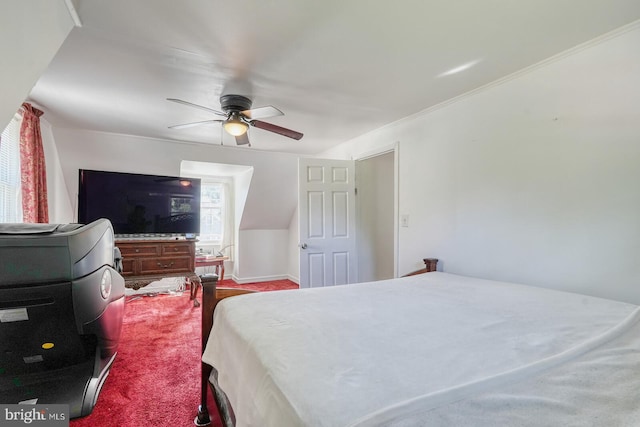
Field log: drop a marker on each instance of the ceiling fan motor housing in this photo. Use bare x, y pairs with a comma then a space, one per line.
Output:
231, 103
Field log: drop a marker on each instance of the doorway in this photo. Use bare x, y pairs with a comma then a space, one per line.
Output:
376, 199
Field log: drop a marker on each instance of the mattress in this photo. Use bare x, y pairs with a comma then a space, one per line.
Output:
432, 349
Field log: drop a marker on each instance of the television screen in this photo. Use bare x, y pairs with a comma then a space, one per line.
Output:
140, 204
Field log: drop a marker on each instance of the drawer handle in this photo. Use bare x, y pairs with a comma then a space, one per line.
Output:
165, 265
137, 250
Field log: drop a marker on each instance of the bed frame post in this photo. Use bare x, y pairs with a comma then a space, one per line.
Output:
431, 264
209, 282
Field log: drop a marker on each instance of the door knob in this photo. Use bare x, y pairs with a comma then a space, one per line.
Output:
303, 246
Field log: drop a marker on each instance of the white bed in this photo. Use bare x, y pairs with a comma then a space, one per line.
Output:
427, 350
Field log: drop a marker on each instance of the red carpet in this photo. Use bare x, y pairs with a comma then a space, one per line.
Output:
155, 379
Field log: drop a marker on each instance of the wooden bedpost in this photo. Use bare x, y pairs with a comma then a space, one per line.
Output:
430, 264
209, 282
211, 295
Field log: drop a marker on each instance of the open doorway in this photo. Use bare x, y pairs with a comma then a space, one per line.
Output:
375, 182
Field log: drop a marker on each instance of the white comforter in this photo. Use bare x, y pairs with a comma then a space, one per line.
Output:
428, 350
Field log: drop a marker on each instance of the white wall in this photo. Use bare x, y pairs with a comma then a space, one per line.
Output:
264, 255
533, 180
270, 203
60, 208
294, 251
32, 33
243, 183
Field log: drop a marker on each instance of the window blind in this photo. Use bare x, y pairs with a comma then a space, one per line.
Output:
10, 193
212, 211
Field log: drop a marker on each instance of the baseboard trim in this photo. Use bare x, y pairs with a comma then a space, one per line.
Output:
258, 279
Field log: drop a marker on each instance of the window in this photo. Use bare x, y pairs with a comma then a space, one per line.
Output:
10, 186
212, 211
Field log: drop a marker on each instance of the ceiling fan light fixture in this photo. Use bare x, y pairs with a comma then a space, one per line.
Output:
235, 126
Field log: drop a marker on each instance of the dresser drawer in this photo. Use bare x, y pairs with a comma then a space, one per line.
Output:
176, 249
139, 250
128, 266
161, 265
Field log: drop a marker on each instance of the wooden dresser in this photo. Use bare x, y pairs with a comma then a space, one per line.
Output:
145, 261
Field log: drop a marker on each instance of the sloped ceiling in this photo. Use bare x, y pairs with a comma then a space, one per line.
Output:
24, 57
336, 68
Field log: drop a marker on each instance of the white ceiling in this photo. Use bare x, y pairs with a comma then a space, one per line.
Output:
336, 68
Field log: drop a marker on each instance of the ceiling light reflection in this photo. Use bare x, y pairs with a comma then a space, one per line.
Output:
459, 68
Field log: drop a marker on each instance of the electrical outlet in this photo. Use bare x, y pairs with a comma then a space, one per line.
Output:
404, 220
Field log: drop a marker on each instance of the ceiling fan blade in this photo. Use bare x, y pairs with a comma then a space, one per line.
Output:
211, 110
276, 129
242, 139
188, 125
262, 112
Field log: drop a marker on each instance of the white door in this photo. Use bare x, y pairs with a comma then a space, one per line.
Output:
326, 209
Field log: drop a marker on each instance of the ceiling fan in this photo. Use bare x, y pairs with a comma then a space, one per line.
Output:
237, 116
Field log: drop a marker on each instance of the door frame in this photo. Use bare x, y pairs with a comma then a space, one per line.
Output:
394, 148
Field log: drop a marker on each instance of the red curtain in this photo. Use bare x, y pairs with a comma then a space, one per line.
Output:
32, 167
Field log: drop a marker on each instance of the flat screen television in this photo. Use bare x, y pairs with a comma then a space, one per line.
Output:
140, 205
